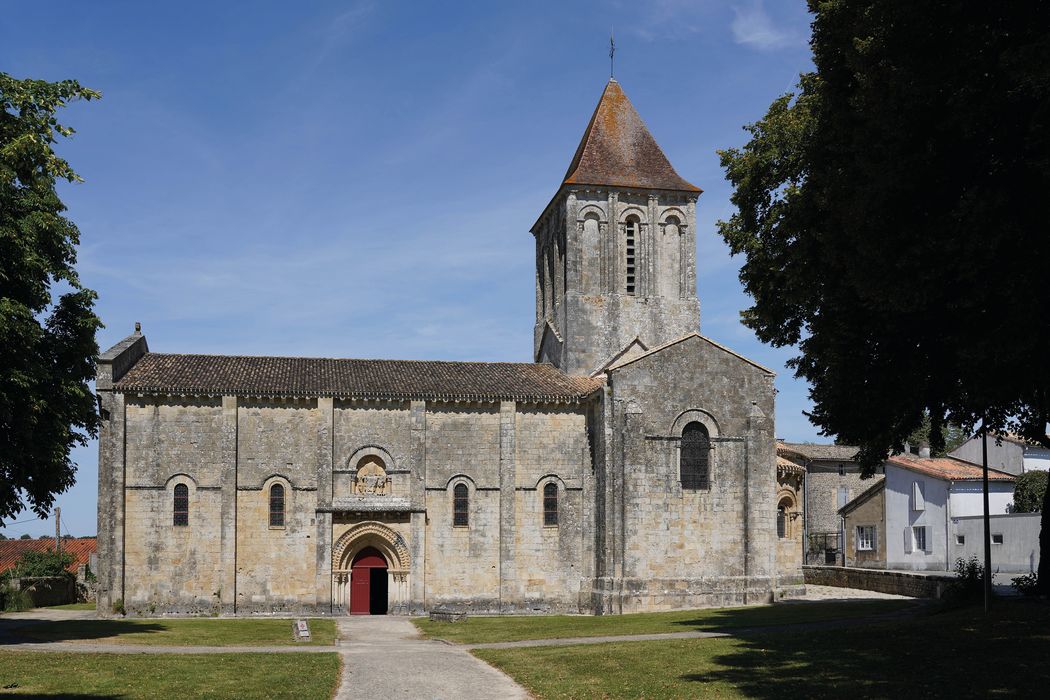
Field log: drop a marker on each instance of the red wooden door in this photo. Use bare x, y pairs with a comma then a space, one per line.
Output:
360, 590
361, 580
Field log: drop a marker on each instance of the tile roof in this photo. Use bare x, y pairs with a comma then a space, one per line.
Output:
12, 550
946, 468
787, 466
834, 453
347, 378
617, 150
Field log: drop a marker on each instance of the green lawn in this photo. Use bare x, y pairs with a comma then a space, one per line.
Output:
180, 631
955, 654
479, 630
72, 606
169, 675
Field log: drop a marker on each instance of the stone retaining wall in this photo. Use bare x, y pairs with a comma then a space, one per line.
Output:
916, 585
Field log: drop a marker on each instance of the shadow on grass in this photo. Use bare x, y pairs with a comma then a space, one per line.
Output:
30, 696
952, 653
30, 631
800, 615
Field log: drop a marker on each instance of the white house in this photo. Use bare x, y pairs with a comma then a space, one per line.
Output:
911, 524
1007, 453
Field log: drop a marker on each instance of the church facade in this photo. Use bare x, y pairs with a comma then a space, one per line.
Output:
630, 467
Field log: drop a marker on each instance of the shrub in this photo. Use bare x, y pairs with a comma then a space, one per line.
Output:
49, 563
118, 607
1026, 584
969, 582
17, 601
1028, 492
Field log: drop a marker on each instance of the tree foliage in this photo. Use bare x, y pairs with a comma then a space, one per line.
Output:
892, 218
49, 563
47, 323
951, 436
1029, 492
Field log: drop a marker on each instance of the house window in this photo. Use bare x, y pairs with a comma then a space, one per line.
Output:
460, 506
550, 505
182, 506
696, 456
918, 535
632, 230
277, 506
918, 495
865, 538
997, 538
781, 523
960, 540
842, 470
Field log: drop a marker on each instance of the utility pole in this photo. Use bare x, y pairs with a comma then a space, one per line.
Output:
58, 532
987, 521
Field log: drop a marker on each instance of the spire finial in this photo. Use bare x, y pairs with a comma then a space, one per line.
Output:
612, 53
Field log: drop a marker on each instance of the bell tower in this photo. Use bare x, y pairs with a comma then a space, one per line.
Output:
615, 248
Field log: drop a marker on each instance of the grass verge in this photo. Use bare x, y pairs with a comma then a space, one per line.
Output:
179, 632
955, 654
480, 630
169, 675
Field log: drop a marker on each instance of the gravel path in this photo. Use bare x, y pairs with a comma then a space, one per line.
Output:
837, 593
384, 657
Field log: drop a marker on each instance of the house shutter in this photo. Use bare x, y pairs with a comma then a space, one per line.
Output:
918, 498
929, 539
907, 540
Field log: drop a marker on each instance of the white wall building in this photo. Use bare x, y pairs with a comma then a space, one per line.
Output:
1007, 453
923, 498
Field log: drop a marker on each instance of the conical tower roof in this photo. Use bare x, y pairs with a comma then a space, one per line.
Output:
617, 150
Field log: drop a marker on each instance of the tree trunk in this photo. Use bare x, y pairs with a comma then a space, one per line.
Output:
1044, 547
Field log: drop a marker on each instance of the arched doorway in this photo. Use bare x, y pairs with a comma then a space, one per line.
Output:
368, 583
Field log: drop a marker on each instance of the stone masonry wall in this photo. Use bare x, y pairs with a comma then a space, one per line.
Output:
916, 585
685, 548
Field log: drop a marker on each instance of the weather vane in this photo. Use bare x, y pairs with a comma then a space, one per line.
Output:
612, 52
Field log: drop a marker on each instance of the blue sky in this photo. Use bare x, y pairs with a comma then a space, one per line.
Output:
357, 179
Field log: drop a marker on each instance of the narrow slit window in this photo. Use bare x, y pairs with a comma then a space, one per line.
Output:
181, 516
460, 506
550, 505
781, 523
696, 457
276, 506
632, 229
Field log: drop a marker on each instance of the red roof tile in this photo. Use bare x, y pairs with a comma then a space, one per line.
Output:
379, 379
617, 150
12, 550
946, 468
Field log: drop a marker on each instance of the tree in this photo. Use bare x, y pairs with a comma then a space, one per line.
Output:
1029, 492
47, 325
951, 436
892, 222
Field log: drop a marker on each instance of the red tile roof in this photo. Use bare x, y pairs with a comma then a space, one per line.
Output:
946, 468
12, 550
379, 379
617, 150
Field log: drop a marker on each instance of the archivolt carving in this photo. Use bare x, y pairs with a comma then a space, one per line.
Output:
391, 544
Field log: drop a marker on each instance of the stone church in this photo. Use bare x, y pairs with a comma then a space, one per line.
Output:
631, 467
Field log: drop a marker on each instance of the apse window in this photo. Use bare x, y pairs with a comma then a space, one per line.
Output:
695, 465
181, 517
277, 506
460, 506
550, 505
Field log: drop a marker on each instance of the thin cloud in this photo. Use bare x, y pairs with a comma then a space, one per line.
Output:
753, 27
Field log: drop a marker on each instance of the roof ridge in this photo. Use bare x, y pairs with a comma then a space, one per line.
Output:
360, 359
